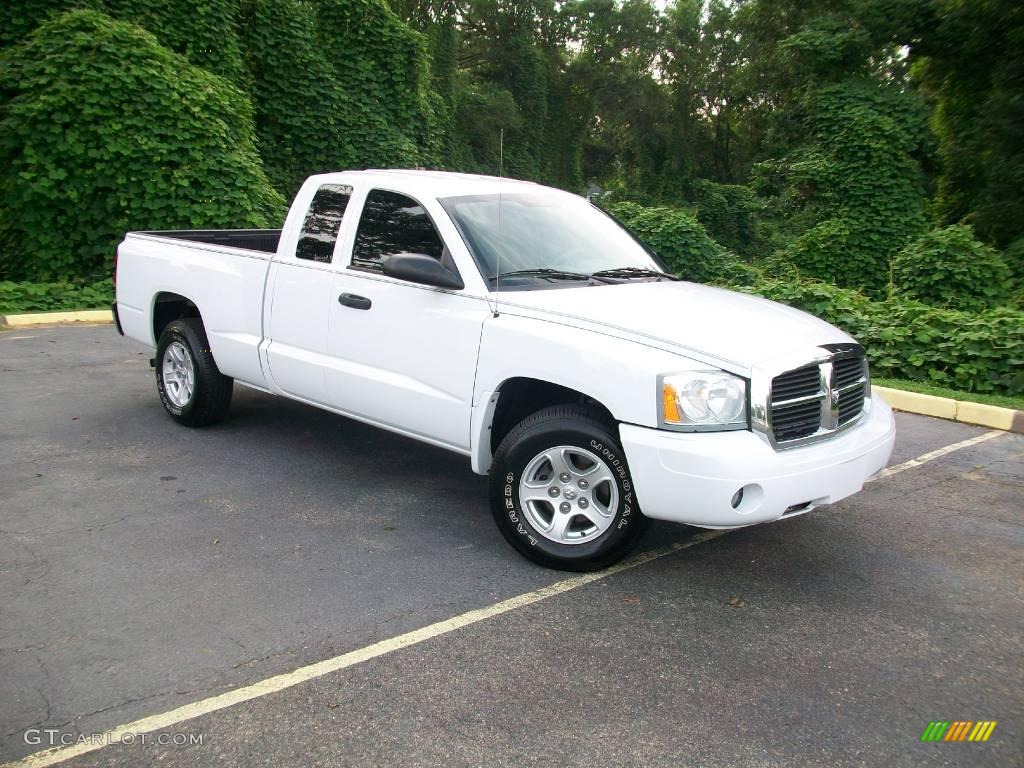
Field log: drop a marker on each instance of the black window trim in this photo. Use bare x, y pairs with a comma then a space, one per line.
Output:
433, 223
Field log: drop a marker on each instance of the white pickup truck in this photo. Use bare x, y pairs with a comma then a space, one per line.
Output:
523, 327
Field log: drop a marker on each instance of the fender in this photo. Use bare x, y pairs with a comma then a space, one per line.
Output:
613, 371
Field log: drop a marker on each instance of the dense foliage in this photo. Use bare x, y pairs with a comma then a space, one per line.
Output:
102, 130
858, 180
949, 267
50, 297
729, 214
680, 241
338, 85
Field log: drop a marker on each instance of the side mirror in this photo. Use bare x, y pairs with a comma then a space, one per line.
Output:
422, 269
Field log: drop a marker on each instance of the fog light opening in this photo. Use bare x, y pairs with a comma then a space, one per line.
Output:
747, 499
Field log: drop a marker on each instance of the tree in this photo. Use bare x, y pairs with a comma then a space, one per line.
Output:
972, 69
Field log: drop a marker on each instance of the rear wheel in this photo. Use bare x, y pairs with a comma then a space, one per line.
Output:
561, 492
192, 389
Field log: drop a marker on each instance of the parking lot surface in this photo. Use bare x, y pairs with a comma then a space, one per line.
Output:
144, 566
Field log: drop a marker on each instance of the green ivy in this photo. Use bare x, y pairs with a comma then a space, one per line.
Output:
949, 267
205, 32
1014, 257
103, 130
298, 104
49, 297
728, 213
479, 107
19, 17
857, 181
382, 68
681, 242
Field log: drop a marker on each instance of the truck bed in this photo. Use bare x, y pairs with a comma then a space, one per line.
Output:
222, 270
249, 239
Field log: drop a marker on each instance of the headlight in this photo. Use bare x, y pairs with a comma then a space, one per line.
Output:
703, 400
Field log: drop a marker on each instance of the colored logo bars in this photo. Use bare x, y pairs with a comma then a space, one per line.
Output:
958, 730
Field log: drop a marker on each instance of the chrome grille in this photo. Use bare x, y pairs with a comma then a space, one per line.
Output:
799, 383
796, 403
814, 401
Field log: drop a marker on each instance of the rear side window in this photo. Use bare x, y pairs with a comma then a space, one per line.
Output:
323, 221
393, 223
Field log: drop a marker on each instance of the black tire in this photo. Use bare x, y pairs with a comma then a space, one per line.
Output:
563, 425
211, 395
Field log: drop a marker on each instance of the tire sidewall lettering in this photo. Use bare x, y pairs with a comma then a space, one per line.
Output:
619, 467
510, 500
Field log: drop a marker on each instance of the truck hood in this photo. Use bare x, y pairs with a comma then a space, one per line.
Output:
733, 330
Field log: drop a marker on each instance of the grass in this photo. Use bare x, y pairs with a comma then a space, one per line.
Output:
1004, 401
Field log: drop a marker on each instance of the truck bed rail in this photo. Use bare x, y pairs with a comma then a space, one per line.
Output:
250, 239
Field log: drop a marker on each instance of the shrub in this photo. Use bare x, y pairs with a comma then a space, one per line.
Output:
681, 242
102, 130
727, 212
825, 250
982, 352
48, 297
1014, 258
949, 267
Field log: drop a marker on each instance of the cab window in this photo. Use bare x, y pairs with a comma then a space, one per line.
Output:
393, 223
323, 222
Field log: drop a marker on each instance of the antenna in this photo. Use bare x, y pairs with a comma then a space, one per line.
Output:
497, 261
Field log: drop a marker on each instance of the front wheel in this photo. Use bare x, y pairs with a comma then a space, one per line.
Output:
192, 389
561, 491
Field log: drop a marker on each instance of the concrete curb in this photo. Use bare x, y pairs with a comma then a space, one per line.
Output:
955, 410
58, 318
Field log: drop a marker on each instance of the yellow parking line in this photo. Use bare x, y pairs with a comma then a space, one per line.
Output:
932, 455
303, 674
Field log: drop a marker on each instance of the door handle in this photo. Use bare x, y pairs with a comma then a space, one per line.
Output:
356, 302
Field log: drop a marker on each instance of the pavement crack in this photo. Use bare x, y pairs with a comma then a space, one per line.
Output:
75, 529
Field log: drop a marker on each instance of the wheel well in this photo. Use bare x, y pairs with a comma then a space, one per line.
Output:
520, 397
169, 307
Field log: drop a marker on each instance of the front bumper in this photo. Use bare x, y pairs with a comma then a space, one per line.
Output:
693, 477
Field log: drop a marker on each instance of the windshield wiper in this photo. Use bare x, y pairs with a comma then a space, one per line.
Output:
627, 272
555, 274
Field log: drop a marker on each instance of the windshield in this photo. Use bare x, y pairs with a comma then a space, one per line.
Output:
552, 232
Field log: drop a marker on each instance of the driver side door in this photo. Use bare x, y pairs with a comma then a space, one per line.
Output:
402, 355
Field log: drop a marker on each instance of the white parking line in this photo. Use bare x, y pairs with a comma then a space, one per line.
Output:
166, 720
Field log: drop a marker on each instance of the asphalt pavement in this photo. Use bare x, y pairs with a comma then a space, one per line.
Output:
144, 566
